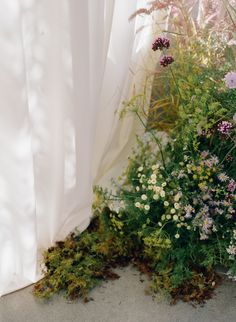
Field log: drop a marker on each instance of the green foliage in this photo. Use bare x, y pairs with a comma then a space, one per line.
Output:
173, 209
81, 262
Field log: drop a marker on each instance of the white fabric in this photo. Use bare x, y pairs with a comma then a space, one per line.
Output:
66, 66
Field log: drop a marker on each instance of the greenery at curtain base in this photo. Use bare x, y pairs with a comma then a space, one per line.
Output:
81, 262
173, 211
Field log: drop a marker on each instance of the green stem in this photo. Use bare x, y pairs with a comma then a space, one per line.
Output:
233, 147
176, 84
155, 138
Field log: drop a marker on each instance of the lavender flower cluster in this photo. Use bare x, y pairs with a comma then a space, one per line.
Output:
230, 80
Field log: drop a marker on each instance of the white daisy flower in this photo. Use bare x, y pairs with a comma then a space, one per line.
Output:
177, 205
137, 204
162, 193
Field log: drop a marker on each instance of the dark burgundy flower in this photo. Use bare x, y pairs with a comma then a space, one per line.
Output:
160, 44
210, 131
166, 60
229, 158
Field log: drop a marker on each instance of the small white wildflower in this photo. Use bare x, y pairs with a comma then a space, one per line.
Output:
159, 224
144, 197
177, 205
181, 174
166, 203
175, 217
214, 229
178, 196
186, 158
177, 236
231, 250
168, 217
231, 210
155, 167
172, 211
234, 234
153, 176
179, 225
163, 184
140, 169
223, 177
155, 197
137, 188
153, 181
137, 204
147, 207
188, 227
162, 193
163, 217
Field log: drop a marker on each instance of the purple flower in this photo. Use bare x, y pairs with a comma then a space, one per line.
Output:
231, 185
230, 80
224, 127
166, 60
189, 210
161, 43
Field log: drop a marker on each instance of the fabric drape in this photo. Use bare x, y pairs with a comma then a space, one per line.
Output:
66, 67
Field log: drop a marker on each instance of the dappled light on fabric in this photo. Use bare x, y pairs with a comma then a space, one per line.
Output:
63, 77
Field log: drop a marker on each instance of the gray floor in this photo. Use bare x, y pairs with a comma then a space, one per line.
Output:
122, 300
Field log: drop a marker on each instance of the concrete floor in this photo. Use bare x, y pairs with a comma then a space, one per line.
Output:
122, 300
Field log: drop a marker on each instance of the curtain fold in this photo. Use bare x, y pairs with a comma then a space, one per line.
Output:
66, 67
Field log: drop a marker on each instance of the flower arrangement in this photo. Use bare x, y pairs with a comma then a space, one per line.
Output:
173, 212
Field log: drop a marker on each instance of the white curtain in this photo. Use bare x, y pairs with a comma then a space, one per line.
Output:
66, 66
